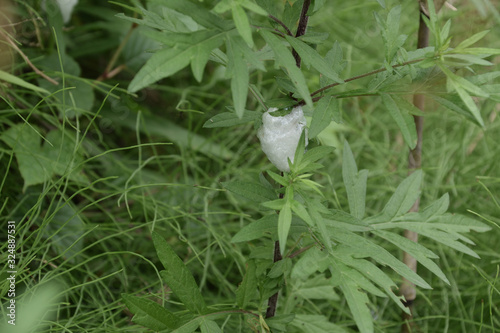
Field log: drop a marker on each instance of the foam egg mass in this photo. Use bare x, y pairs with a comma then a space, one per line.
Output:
279, 136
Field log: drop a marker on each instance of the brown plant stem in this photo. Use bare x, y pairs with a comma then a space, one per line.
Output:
408, 289
277, 20
301, 29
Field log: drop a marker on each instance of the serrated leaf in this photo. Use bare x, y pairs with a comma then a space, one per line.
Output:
249, 190
178, 277
284, 223
280, 268
355, 183
455, 104
314, 260
358, 303
198, 13
403, 119
240, 19
169, 61
311, 57
322, 115
361, 246
149, 313
284, 58
248, 287
405, 195
417, 251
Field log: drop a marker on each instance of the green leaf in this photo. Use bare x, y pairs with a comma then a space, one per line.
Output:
403, 119
178, 277
316, 208
471, 40
66, 229
284, 58
315, 324
314, 260
198, 13
322, 115
301, 211
355, 183
38, 164
209, 326
279, 323
318, 287
240, 79
254, 7
257, 229
455, 104
169, 61
149, 313
4, 76
242, 24
417, 251
311, 57
280, 268
363, 247
247, 290
357, 301
405, 196
277, 178
228, 119
284, 223
252, 191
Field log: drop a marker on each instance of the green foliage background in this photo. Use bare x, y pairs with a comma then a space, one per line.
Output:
89, 170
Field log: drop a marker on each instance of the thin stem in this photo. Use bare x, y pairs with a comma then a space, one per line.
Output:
380, 70
277, 20
408, 289
272, 302
301, 29
25, 57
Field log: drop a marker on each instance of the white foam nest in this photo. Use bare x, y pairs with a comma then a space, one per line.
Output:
279, 136
66, 7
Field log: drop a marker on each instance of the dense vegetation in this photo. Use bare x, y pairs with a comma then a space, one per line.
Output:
98, 150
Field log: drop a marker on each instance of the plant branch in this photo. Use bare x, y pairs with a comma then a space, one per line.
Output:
408, 289
25, 57
301, 29
277, 20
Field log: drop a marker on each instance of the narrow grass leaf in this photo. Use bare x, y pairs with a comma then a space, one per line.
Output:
4, 76
403, 119
149, 313
311, 57
178, 277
